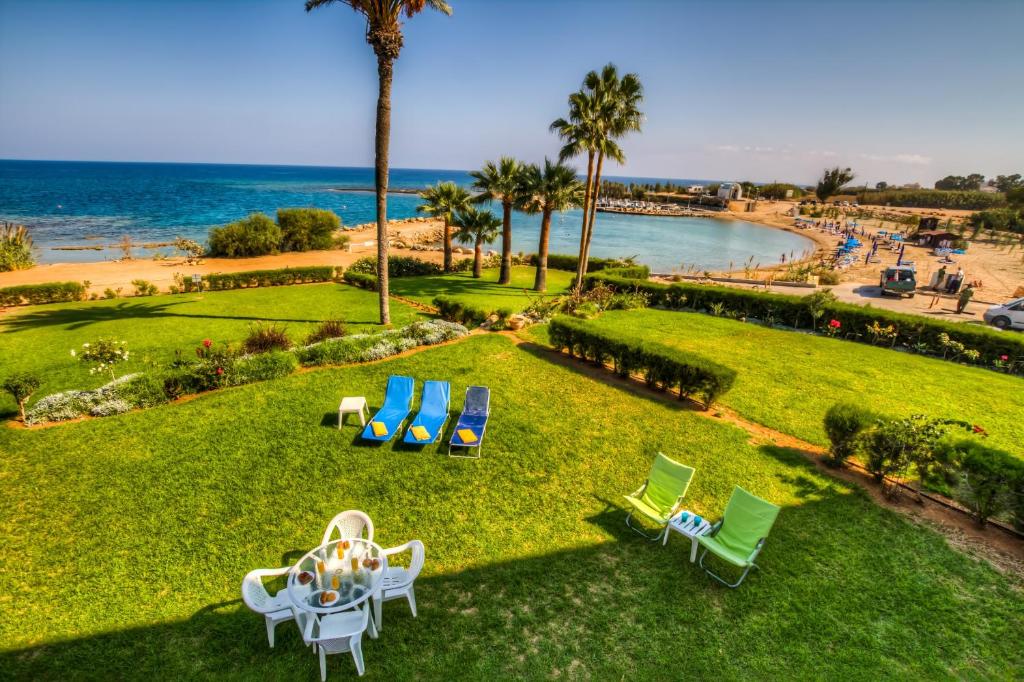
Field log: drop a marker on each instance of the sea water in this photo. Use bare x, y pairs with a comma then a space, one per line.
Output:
72, 203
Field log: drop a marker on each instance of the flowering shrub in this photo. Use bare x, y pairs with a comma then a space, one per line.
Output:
833, 327
110, 407
881, 335
103, 354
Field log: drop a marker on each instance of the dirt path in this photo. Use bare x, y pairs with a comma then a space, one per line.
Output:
1001, 549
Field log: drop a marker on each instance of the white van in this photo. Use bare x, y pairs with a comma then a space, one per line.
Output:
1006, 316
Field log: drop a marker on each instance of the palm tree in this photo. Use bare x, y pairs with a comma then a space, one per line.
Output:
605, 108
501, 182
545, 191
832, 180
476, 227
443, 200
384, 34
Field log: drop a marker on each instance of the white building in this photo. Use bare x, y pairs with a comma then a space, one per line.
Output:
695, 189
730, 191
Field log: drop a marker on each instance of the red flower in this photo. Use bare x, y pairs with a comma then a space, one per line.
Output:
1004, 358
835, 324
207, 343
977, 429
220, 370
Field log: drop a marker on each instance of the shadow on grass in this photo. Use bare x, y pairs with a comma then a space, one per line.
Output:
531, 616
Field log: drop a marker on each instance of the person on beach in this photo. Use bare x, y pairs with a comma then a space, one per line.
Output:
965, 297
783, 259
940, 279
955, 281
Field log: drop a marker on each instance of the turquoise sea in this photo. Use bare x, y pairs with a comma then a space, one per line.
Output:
70, 203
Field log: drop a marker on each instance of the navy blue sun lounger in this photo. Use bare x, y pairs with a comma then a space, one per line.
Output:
396, 407
434, 405
469, 431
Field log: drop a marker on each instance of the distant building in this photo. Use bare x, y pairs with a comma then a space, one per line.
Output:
989, 189
911, 185
695, 189
730, 191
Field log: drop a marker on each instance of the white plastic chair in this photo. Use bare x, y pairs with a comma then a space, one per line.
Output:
349, 524
336, 633
275, 608
398, 581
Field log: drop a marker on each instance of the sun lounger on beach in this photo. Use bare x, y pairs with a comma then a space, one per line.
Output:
397, 405
429, 422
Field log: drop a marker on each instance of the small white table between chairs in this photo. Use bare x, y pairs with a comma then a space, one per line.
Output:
688, 529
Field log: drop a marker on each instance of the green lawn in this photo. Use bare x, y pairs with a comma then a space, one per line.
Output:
787, 380
484, 292
39, 338
126, 540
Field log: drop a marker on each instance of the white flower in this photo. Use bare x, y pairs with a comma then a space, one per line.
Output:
85, 345
72, 352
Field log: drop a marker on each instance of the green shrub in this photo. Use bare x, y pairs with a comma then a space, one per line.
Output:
986, 476
360, 279
456, 310
932, 198
398, 266
264, 278
21, 386
328, 329
15, 248
1000, 219
629, 272
254, 235
265, 337
844, 422
1016, 497
371, 347
913, 332
144, 288
307, 229
34, 294
558, 261
262, 367
141, 390
662, 366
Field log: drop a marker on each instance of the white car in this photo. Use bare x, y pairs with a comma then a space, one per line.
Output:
1006, 316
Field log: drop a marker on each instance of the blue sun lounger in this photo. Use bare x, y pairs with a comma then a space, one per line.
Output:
472, 422
434, 405
396, 407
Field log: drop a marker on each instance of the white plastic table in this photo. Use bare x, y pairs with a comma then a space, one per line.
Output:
689, 530
350, 568
353, 405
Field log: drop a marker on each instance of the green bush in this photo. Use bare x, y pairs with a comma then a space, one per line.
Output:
33, 294
986, 476
662, 366
457, 310
371, 347
398, 266
15, 248
144, 287
141, 390
629, 272
932, 198
558, 261
307, 229
265, 337
999, 219
21, 386
844, 422
254, 235
913, 332
262, 367
361, 279
328, 329
264, 278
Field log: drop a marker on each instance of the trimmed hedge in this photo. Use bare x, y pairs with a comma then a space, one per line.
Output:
361, 280
629, 272
398, 266
456, 310
988, 481
50, 292
912, 331
265, 278
559, 261
662, 366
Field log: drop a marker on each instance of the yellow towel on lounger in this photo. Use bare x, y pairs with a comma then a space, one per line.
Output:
467, 436
420, 433
379, 429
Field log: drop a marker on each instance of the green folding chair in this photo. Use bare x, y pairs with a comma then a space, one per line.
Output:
737, 539
660, 496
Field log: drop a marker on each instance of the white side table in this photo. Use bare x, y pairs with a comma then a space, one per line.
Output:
353, 405
688, 529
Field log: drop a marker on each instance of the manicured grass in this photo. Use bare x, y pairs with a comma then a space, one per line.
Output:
484, 292
39, 338
126, 539
787, 380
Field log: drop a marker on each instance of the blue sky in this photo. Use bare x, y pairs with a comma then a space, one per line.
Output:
900, 91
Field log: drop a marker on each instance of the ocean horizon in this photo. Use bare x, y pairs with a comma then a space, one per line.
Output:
95, 203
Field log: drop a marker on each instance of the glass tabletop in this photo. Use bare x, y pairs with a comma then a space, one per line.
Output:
336, 576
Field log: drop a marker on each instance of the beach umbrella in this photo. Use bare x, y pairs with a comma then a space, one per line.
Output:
899, 260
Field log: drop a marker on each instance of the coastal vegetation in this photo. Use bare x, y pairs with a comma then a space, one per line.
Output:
254, 235
296, 229
931, 198
15, 248
832, 182
443, 201
476, 227
555, 188
308, 229
501, 182
518, 584
384, 34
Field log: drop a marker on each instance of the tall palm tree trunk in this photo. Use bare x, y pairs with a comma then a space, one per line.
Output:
385, 71
506, 243
581, 265
447, 244
478, 258
540, 282
593, 214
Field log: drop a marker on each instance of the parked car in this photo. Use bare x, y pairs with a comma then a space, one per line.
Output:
1006, 316
900, 280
